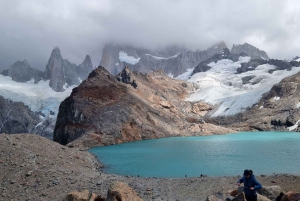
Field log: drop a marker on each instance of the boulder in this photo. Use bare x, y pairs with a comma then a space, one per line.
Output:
85, 195
212, 198
291, 196
240, 197
119, 191
262, 198
270, 192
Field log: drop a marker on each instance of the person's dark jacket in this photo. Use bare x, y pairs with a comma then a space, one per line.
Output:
248, 183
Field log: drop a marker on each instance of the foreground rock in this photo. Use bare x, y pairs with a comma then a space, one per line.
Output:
120, 191
35, 168
105, 110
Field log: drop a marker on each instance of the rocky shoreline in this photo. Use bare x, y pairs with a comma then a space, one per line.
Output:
34, 168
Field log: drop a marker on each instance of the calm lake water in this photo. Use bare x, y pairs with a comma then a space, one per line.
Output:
217, 155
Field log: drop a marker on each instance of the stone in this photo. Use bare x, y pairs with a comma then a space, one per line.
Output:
212, 198
270, 192
119, 191
262, 198
291, 196
240, 197
84, 195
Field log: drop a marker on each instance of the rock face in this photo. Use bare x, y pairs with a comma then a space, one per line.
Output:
121, 191
173, 60
15, 117
249, 50
104, 111
22, 72
61, 72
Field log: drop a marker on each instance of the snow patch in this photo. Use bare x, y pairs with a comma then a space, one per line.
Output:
276, 98
123, 56
294, 127
298, 105
171, 75
297, 59
162, 58
261, 107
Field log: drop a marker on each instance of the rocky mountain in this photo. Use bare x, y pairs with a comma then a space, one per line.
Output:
85, 68
116, 57
31, 88
62, 73
173, 60
22, 72
105, 110
250, 50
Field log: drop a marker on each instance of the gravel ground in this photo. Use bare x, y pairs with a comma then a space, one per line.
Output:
34, 168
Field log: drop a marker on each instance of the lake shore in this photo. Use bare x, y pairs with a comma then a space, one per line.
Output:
35, 168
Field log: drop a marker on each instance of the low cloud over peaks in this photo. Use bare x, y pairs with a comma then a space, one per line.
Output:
31, 29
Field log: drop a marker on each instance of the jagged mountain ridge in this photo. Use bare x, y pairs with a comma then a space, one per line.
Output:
21, 71
250, 50
174, 63
60, 72
104, 111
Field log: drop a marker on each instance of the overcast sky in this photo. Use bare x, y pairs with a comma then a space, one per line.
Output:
30, 29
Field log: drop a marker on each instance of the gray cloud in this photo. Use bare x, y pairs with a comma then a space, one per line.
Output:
31, 29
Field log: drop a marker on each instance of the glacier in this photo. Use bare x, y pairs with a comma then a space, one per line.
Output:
223, 88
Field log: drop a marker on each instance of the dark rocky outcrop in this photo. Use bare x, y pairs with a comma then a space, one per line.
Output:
251, 65
22, 72
250, 50
104, 111
15, 117
278, 65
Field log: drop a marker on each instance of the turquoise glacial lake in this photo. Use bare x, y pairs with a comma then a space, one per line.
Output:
216, 155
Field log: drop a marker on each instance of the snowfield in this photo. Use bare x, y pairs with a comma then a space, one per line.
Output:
38, 97
123, 56
223, 88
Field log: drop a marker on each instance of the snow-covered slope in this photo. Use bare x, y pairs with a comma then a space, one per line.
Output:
39, 97
222, 87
